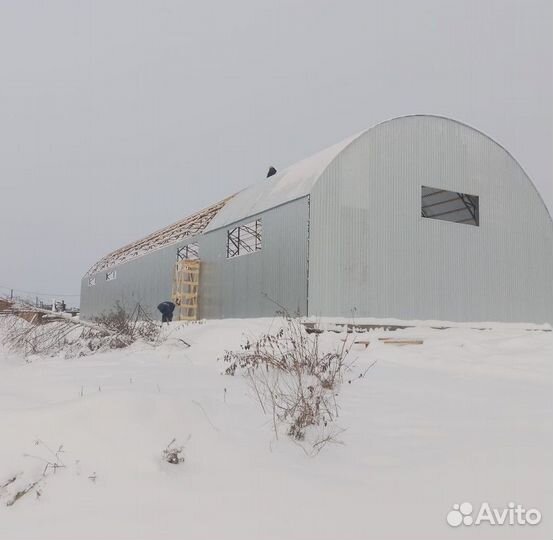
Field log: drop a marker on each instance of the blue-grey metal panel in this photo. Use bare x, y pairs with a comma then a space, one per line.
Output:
372, 252
252, 285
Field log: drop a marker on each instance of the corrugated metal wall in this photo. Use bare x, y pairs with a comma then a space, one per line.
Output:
237, 287
242, 286
147, 280
372, 252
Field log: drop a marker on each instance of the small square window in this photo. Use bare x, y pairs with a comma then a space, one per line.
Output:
92, 281
110, 276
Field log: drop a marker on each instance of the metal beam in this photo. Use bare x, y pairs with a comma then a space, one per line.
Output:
188, 227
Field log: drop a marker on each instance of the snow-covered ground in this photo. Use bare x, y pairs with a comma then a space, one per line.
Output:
465, 417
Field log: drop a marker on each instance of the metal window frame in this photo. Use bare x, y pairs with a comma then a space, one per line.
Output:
472, 204
469, 204
244, 239
189, 252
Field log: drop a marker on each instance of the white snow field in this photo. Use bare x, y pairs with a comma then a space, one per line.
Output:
465, 417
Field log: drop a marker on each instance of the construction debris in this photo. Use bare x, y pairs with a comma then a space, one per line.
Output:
399, 341
338, 328
364, 342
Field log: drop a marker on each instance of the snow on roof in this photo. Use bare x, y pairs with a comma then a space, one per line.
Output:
292, 183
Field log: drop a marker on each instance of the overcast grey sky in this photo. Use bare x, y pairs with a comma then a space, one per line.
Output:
120, 117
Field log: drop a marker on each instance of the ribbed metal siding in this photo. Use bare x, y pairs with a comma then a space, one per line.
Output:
372, 252
147, 280
243, 286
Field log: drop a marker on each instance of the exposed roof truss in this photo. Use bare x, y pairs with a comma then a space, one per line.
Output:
186, 228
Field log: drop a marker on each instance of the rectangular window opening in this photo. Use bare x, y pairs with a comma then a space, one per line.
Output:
111, 275
450, 206
244, 239
188, 252
92, 281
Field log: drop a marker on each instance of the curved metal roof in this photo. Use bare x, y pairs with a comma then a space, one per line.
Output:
291, 183
287, 185
298, 180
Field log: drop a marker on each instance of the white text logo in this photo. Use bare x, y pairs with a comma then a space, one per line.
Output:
513, 514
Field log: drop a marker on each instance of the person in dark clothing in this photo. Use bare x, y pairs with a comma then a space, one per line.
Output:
166, 309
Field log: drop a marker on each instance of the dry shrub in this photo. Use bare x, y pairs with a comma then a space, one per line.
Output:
34, 480
38, 339
294, 381
114, 330
126, 328
172, 453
